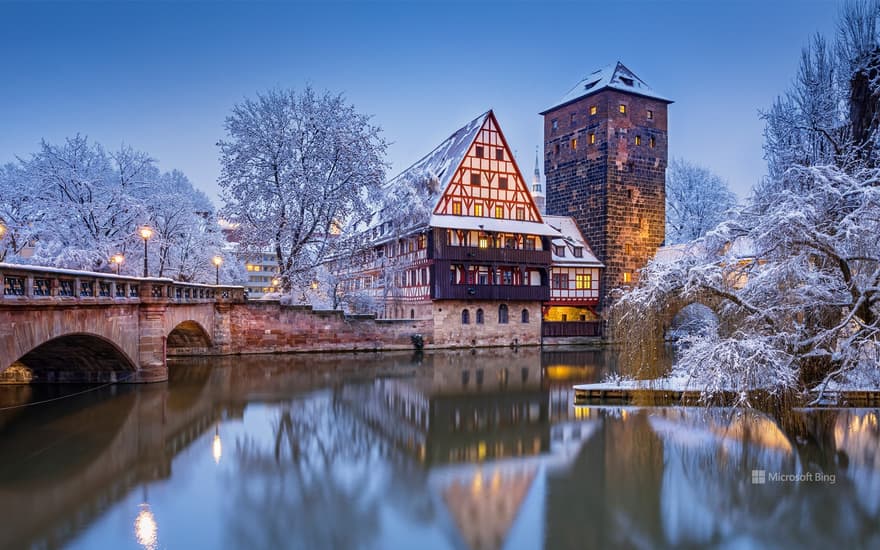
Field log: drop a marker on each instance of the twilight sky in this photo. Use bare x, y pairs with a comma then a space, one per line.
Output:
162, 77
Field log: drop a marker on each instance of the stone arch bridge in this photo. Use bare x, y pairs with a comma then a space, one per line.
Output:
74, 326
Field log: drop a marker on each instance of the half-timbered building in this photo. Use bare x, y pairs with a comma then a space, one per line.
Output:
458, 238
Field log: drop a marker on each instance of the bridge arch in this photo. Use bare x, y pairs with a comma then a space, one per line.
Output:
78, 357
188, 334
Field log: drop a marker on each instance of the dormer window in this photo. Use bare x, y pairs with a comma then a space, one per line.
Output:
560, 251
628, 81
578, 252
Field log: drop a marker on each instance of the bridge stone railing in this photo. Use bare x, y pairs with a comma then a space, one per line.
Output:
33, 285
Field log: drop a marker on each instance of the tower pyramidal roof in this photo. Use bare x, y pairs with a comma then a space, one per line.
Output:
614, 77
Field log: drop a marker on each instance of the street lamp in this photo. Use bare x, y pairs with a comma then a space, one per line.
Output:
217, 261
2, 230
117, 259
145, 233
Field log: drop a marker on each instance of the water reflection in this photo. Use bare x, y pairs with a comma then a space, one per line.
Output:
478, 450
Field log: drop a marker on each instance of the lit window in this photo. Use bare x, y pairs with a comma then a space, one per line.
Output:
592, 139
502, 182
583, 281
651, 142
475, 178
499, 154
554, 124
499, 211
479, 152
593, 110
529, 243
622, 109
574, 143
627, 277
423, 242
628, 249
520, 213
478, 209
456, 208
638, 140
484, 241
650, 114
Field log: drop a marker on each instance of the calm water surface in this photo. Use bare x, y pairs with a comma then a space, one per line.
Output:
446, 450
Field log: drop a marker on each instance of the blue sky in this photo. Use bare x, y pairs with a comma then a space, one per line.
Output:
161, 77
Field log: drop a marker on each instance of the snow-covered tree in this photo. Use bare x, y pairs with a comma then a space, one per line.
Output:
294, 167
186, 233
87, 202
17, 212
696, 201
794, 274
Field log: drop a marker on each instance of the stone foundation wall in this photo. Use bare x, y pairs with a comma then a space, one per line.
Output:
450, 332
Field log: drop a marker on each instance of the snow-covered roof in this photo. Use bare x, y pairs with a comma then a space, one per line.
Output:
569, 235
494, 225
615, 77
421, 186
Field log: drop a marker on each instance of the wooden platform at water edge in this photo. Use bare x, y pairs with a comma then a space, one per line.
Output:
660, 395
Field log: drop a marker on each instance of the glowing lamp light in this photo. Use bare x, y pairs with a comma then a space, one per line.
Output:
217, 260
276, 282
314, 285
145, 232
217, 447
117, 259
2, 230
145, 529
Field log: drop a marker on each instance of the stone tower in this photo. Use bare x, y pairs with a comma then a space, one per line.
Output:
537, 187
605, 155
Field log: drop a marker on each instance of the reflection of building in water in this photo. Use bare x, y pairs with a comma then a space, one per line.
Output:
480, 422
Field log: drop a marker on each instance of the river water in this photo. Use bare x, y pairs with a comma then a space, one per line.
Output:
466, 450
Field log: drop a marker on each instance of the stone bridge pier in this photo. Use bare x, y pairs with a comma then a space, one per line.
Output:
60, 326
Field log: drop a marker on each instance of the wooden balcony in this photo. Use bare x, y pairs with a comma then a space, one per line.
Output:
444, 290
509, 256
571, 328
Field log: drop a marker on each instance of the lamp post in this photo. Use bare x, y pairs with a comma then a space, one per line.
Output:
117, 259
217, 261
146, 233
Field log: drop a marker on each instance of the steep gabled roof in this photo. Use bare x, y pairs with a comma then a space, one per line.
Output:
614, 77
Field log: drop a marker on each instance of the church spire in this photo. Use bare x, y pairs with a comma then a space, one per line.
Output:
537, 188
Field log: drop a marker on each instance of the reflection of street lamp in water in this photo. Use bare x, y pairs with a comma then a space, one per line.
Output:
217, 446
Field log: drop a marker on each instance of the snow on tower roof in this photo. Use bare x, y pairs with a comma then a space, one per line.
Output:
615, 77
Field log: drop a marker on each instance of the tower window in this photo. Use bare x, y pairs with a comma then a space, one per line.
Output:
627, 81
593, 110
554, 124
627, 277
499, 211
456, 208
574, 143
499, 154
651, 142
650, 114
628, 249
502, 182
520, 213
638, 140
572, 118
475, 178
478, 209
592, 139
622, 109
479, 152
556, 148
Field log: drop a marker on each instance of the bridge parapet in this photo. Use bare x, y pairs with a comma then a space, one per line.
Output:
33, 285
